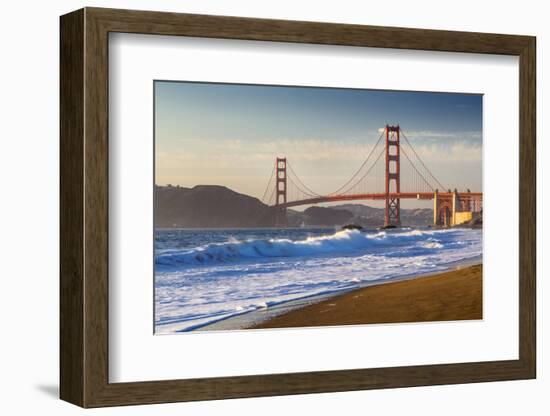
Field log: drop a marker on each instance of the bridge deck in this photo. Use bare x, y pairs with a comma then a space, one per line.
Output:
379, 196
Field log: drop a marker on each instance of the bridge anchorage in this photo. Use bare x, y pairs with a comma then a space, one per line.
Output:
401, 174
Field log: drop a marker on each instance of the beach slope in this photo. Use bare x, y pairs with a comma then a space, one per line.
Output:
449, 296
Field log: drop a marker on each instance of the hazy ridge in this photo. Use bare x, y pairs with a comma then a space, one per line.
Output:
213, 206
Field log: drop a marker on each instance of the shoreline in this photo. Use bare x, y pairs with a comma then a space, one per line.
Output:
452, 295
255, 319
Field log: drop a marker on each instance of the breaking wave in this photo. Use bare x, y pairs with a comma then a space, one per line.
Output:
345, 242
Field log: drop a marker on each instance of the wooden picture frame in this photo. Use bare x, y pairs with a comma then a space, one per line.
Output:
84, 207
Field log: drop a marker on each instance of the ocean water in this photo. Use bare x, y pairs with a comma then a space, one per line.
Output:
204, 276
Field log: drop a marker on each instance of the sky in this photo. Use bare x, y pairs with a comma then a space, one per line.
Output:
230, 134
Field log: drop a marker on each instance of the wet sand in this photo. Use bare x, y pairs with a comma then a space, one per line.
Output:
449, 296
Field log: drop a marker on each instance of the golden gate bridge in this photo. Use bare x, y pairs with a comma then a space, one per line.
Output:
405, 176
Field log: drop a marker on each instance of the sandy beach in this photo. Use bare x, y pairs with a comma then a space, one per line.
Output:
448, 296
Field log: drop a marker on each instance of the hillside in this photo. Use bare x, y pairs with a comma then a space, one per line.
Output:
370, 216
212, 206
208, 206
326, 216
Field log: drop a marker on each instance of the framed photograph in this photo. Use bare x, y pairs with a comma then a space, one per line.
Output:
255, 207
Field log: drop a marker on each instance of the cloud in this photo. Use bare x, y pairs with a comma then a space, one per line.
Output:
457, 147
456, 152
322, 164
427, 135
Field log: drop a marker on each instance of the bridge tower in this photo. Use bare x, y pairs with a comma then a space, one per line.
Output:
392, 215
280, 192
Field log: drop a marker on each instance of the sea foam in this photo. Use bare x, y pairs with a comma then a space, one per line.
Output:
242, 270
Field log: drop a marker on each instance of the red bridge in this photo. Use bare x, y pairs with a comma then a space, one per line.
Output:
378, 178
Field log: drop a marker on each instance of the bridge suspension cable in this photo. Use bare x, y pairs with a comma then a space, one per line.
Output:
299, 192
366, 182
358, 182
360, 167
310, 192
271, 199
269, 186
421, 161
417, 171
